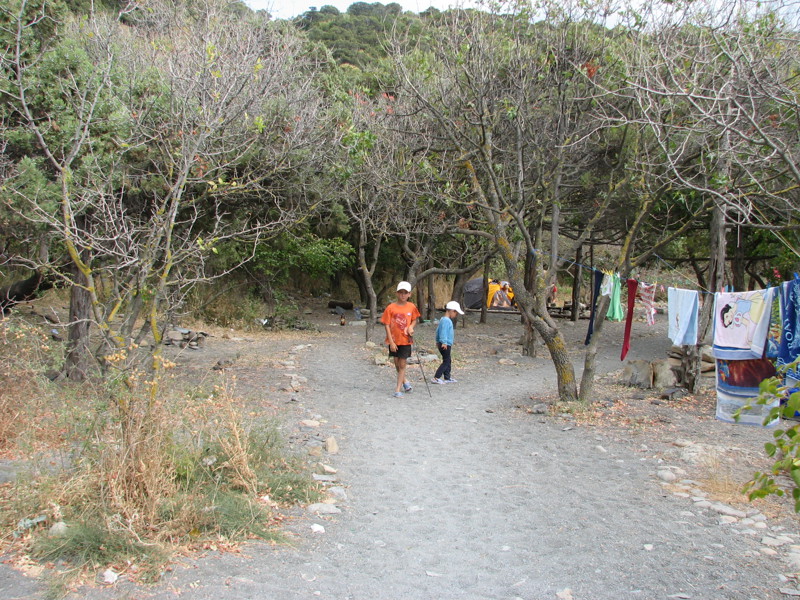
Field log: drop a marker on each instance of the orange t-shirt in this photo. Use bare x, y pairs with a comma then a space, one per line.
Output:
398, 318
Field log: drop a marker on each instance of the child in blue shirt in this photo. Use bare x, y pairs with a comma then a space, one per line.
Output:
444, 341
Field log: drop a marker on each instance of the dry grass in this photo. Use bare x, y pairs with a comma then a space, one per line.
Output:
147, 468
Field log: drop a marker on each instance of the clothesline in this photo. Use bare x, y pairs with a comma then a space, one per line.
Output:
590, 268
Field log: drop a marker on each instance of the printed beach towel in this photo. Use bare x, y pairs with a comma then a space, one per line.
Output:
741, 323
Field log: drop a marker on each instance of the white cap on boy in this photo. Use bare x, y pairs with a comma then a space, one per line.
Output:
453, 305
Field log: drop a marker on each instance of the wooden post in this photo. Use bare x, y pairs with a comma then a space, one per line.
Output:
576, 284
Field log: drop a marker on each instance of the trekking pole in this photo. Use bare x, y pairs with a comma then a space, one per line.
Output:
419, 360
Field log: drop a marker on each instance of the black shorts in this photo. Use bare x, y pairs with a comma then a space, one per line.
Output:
402, 352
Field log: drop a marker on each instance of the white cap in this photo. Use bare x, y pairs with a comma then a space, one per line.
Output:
453, 305
404, 285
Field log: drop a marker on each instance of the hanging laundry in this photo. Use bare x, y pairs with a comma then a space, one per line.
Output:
647, 294
682, 313
775, 331
741, 323
615, 307
626, 340
789, 348
737, 383
598, 281
608, 284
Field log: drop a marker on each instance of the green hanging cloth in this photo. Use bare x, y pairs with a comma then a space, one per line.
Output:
615, 306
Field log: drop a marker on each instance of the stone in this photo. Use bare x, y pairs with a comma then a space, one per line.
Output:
793, 560
663, 375
637, 373
774, 541
381, 360
724, 509
539, 409
58, 529
707, 354
338, 492
110, 576
672, 393
173, 335
506, 361
666, 475
331, 445
322, 508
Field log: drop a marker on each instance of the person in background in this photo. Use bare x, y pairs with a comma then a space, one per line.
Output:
501, 298
444, 341
399, 318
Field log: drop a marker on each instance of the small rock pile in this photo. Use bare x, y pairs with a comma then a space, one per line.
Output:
185, 338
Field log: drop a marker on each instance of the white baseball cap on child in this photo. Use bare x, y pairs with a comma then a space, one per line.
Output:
404, 285
453, 305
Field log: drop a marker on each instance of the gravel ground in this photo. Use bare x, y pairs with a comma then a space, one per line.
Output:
468, 493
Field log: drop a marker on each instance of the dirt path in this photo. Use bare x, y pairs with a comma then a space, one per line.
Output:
466, 494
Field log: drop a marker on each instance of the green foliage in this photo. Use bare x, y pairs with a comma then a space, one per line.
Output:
314, 256
89, 543
355, 37
785, 448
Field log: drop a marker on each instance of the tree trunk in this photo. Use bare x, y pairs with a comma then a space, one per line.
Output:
738, 263
590, 358
431, 299
485, 291
690, 367
78, 353
576, 285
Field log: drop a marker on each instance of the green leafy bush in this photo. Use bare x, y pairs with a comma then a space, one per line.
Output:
785, 448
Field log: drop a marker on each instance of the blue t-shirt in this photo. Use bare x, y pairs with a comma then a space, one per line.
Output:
444, 332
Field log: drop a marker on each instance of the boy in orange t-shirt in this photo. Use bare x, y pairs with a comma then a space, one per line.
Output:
399, 319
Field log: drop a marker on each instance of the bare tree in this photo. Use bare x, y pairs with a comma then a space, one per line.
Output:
711, 88
183, 122
509, 98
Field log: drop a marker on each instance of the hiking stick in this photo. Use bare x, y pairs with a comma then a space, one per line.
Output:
419, 360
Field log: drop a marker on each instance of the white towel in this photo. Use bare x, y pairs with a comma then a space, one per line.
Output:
682, 309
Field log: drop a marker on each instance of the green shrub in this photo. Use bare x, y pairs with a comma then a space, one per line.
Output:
786, 446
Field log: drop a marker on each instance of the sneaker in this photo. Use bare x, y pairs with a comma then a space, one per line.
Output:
398, 394
407, 387
450, 381
436, 380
